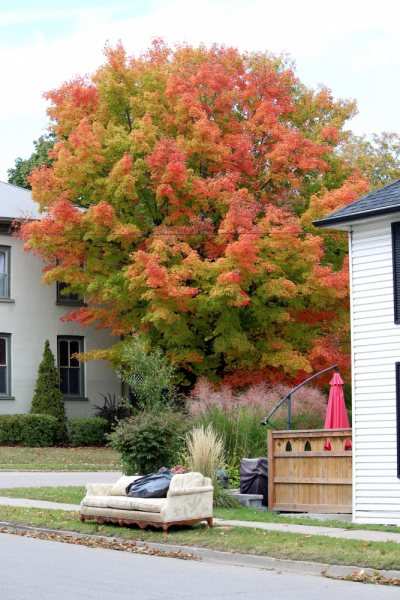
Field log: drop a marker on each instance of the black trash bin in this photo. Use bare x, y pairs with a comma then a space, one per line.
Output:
254, 477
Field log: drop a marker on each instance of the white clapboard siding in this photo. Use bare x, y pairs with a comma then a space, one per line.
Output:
376, 349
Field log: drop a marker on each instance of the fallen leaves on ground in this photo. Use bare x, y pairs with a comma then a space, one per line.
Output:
108, 544
363, 577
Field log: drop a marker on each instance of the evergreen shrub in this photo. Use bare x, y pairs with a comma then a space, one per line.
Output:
148, 441
87, 432
27, 430
48, 398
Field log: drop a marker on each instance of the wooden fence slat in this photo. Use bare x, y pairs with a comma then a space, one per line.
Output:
317, 508
316, 480
271, 470
324, 453
313, 433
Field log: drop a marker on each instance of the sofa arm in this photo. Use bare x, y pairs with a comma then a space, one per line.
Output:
185, 507
99, 489
189, 491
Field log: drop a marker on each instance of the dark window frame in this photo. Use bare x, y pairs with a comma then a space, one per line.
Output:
396, 271
397, 367
7, 250
64, 300
81, 341
7, 395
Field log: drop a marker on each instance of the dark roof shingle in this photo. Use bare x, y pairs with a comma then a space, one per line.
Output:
386, 200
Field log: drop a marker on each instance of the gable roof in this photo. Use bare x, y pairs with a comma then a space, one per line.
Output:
386, 200
17, 203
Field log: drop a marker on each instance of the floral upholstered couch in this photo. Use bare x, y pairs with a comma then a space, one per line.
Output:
189, 500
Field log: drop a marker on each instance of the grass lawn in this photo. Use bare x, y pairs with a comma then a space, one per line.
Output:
376, 555
59, 459
74, 495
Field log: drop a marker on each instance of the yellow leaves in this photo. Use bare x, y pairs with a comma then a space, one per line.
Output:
281, 288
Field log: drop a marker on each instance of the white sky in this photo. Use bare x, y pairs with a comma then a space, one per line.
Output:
352, 46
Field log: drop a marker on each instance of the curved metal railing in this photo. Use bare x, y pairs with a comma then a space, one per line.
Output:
288, 397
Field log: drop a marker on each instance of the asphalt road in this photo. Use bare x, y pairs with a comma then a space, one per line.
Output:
32, 569
54, 479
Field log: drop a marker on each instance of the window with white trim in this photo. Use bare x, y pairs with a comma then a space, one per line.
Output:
4, 271
5, 365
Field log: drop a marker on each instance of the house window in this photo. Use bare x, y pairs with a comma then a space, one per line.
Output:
71, 370
64, 298
4, 272
5, 365
398, 416
396, 270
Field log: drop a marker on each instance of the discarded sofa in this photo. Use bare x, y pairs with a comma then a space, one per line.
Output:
189, 500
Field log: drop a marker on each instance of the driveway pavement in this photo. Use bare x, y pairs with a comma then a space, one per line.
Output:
70, 572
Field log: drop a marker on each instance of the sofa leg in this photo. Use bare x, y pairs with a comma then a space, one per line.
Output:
210, 521
82, 519
165, 528
121, 523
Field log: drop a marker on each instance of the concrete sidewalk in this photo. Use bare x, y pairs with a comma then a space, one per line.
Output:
10, 479
332, 532
27, 503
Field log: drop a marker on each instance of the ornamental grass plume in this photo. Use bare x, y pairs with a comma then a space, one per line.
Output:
308, 403
206, 451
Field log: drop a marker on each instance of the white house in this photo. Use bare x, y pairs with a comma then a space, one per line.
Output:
373, 223
30, 313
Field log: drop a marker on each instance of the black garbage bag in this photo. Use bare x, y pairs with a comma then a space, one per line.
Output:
155, 485
254, 477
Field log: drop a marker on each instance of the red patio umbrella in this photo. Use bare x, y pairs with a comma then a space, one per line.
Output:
336, 415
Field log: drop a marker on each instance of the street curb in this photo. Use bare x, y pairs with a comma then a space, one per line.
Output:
227, 558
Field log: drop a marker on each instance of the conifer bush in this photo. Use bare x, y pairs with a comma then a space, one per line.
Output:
48, 398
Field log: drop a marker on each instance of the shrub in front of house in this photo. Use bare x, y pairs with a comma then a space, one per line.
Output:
87, 432
48, 398
27, 430
148, 440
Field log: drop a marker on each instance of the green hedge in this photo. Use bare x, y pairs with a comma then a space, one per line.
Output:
87, 432
27, 430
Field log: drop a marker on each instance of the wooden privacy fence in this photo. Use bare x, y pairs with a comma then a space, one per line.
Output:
310, 471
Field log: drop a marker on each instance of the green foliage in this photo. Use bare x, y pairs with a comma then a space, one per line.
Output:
148, 441
233, 472
27, 430
377, 157
18, 175
222, 498
87, 432
241, 431
48, 398
243, 434
149, 374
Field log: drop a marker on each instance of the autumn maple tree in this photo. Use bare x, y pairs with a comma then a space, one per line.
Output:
179, 203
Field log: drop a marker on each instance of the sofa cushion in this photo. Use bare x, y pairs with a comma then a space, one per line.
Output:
188, 480
118, 489
115, 514
97, 501
153, 505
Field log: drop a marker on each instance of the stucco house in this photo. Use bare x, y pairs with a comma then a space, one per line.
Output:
373, 223
30, 313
